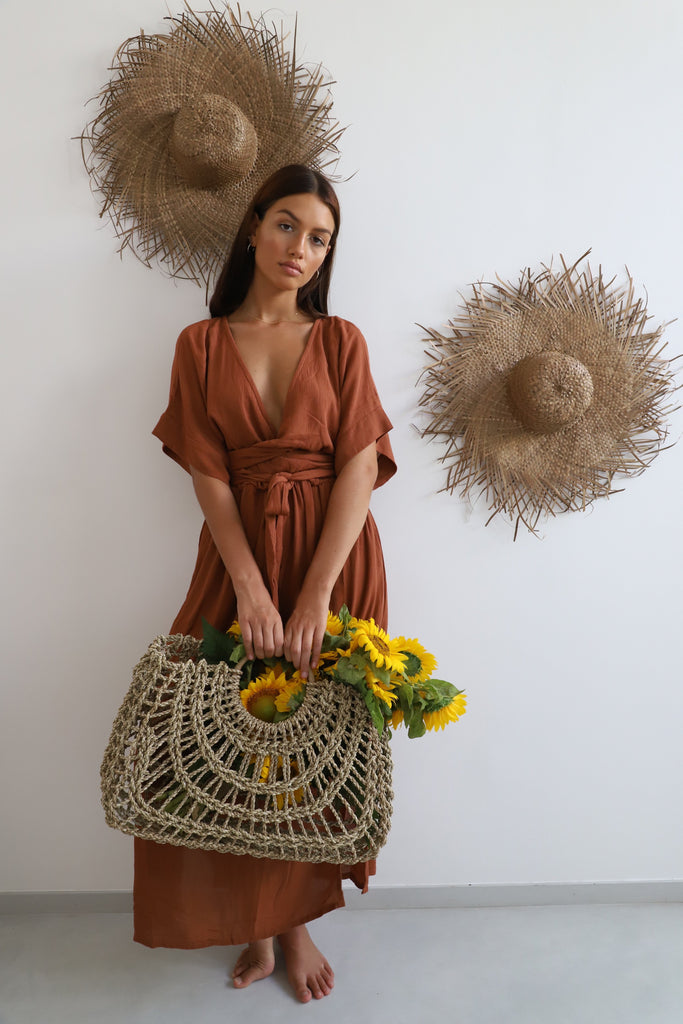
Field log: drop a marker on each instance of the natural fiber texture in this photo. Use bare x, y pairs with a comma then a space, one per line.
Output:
186, 764
544, 390
192, 124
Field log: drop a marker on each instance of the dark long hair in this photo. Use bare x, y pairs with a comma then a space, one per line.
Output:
237, 274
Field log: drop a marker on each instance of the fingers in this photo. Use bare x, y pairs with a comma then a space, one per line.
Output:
278, 639
302, 646
265, 639
257, 633
247, 640
316, 647
262, 632
292, 645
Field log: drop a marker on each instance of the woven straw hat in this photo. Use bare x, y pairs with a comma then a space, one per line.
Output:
192, 124
544, 390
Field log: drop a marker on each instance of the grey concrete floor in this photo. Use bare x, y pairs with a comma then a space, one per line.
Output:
535, 965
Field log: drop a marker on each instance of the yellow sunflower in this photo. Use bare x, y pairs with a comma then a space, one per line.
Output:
293, 797
235, 630
334, 625
291, 688
451, 713
385, 693
260, 696
419, 664
380, 648
329, 660
288, 671
396, 718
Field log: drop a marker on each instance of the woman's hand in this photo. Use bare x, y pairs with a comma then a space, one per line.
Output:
305, 630
260, 623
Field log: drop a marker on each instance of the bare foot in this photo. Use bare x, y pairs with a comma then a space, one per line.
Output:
308, 971
255, 962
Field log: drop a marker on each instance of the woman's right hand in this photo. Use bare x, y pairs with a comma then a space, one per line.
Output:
261, 625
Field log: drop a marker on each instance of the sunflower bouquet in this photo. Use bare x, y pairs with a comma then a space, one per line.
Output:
392, 675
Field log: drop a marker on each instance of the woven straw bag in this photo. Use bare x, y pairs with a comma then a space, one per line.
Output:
187, 764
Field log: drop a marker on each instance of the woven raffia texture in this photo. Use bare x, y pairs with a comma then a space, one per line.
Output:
191, 125
544, 390
187, 764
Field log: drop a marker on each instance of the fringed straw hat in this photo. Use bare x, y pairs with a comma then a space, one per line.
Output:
544, 390
191, 125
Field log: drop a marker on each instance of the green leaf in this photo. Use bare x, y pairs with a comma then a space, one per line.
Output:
405, 697
413, 664
438, 694
348, 672
331, 642
247, 670
416, 726
215, 646
344, 615
375, 713
238, 653
383, 674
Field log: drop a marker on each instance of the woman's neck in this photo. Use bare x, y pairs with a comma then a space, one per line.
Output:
270, 306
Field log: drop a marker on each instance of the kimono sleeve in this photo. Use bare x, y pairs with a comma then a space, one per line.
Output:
187, 433
362, 418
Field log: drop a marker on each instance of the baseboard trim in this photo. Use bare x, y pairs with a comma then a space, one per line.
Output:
66, 902
535, 894
391, 897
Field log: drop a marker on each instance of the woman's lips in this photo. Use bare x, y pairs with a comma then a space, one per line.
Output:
292, 269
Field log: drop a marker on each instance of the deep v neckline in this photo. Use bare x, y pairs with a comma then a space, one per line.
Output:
252, 384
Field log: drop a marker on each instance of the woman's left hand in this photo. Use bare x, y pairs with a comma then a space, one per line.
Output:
305, 630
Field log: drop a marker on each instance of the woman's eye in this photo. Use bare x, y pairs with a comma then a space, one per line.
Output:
285, 226
318, 241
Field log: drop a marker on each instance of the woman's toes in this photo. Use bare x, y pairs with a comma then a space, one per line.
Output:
303, 994
328, 975
315, 989
255, 962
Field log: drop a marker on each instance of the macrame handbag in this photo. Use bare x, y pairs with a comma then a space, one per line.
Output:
187, 764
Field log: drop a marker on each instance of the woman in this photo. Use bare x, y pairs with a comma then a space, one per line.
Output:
274, 413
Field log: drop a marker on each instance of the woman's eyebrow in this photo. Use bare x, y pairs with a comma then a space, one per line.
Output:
320, 231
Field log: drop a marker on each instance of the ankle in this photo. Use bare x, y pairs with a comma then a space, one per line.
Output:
294, 935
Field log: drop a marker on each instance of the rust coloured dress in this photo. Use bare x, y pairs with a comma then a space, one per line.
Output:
216, 422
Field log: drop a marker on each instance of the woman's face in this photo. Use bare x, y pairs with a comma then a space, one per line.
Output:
292, 240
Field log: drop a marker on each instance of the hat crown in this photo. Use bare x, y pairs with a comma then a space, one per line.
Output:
549, 391
212, 142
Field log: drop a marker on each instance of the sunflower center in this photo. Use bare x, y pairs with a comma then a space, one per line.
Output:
262, 703
379, 644
549, 390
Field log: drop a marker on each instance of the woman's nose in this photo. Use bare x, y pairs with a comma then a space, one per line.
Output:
296, 245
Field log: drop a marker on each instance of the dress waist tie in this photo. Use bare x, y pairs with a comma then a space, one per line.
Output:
276, 472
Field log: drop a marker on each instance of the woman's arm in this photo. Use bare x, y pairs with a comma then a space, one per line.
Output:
346, 513
258, 617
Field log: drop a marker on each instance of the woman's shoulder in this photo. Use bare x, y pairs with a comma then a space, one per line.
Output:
337, 325
200, 330
342, 334
197, 339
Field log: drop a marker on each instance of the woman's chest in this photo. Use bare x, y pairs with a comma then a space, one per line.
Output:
289, 392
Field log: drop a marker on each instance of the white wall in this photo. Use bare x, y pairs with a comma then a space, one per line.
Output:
486, 136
